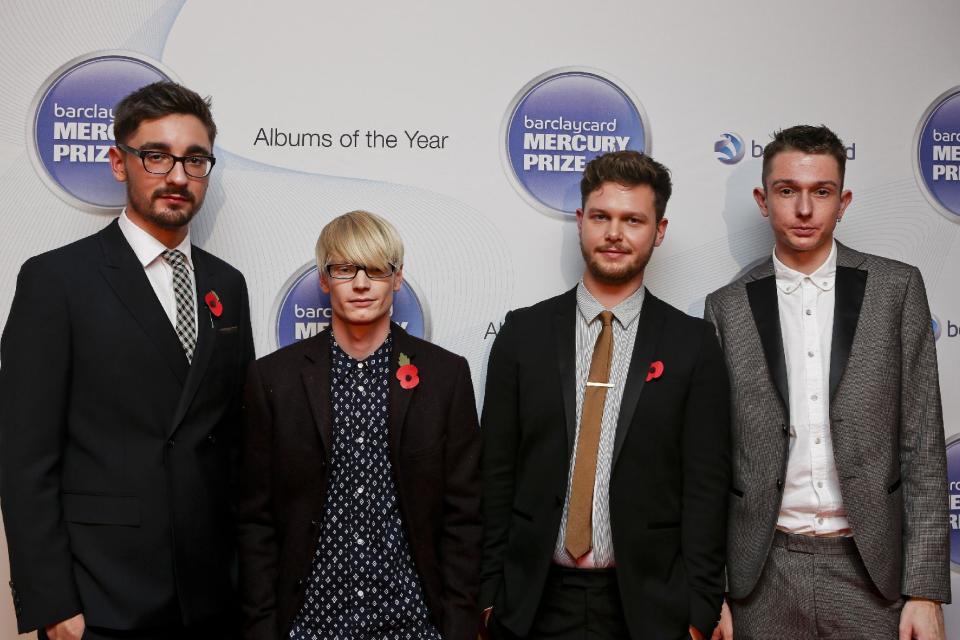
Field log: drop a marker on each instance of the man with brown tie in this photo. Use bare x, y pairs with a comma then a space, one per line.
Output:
606, 441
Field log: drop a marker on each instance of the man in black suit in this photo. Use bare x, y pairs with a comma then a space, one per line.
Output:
360, 508
116, 453
606, 466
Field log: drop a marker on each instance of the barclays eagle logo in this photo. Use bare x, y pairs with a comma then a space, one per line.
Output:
729, 148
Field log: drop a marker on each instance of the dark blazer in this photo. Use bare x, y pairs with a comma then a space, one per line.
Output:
434, 444
886, 423
115, 455
670, 476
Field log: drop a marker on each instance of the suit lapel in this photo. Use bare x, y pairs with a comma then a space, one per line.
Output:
124, 273
848, 299
648, 335
316, 384
564, 334
762, 295
206, 333
399, 397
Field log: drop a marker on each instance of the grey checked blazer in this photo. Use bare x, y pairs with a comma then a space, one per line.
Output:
885, 419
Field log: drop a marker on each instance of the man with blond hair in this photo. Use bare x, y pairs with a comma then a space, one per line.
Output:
359, 512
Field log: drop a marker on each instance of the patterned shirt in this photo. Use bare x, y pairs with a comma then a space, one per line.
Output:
624, 335
363, 584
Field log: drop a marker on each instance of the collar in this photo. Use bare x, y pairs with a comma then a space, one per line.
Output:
145, 246
624, 313
824, 278
377, 362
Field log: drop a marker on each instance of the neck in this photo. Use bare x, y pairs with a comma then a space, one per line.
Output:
171, 238
360, 340
611, 294
806, 262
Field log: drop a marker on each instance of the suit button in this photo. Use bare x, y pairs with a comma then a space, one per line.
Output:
783, 427
212, 439
779, 485
171, 442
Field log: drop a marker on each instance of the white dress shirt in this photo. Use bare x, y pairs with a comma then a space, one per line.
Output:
149, 252
626, 321
811, 504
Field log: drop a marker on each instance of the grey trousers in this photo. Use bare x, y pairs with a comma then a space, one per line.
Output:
813, 588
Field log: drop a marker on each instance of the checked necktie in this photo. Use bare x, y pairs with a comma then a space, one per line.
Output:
185, 298
578, 538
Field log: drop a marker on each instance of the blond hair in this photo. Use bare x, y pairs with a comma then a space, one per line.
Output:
359, 237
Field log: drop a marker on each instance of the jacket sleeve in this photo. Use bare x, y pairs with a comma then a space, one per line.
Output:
35, 352
500, 430
706, 482
462, 532
923, 466
257, 534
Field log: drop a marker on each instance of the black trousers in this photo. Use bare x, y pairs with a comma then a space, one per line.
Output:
219, 629
577, 604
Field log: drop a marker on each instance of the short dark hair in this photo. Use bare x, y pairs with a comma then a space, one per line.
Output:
630, 169
808, 139
156, 101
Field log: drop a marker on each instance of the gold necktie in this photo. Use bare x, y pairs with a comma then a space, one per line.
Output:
578, 538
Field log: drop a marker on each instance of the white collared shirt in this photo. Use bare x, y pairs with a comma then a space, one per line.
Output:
811, 504
625, 325
149, 252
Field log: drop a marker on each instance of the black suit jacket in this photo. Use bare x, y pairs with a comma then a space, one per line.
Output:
115, 451
670, 476
434, 449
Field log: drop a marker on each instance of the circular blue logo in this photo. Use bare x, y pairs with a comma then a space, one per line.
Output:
72, 127
557, 124
304, 309
953, 489
937, 164
729, 148
935, 321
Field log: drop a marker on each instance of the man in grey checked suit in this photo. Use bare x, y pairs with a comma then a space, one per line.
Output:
838, 510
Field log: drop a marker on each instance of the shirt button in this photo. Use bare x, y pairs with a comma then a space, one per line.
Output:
810, 353
819, 520
817, 441
360, 489
359, 365
813, 397
820, 485
360, 388
809, 312
359, 593
359, 540
359, 440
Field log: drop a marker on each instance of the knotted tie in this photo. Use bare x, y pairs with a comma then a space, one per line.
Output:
578, 538
183, 294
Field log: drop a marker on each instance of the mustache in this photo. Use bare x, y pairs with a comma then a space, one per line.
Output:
183, 193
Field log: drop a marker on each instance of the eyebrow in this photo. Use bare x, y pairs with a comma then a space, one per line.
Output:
789, 181
193, 149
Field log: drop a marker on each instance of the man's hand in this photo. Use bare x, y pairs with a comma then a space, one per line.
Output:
695, 633
72, 628
921, 620
724, 630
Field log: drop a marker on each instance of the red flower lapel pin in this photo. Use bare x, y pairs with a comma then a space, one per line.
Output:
213, 303
655, 370
407, 374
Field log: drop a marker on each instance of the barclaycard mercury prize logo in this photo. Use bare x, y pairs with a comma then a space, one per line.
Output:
729, 148
303, 309
937, 162
559, 122
71, 130
953, 489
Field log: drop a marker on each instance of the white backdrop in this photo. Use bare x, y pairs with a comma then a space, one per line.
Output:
475, 247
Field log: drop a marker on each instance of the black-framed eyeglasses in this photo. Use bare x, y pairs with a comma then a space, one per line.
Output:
161, 163
347, 271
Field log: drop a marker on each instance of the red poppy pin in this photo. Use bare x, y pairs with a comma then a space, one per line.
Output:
407, 374
213, 303
655, 370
